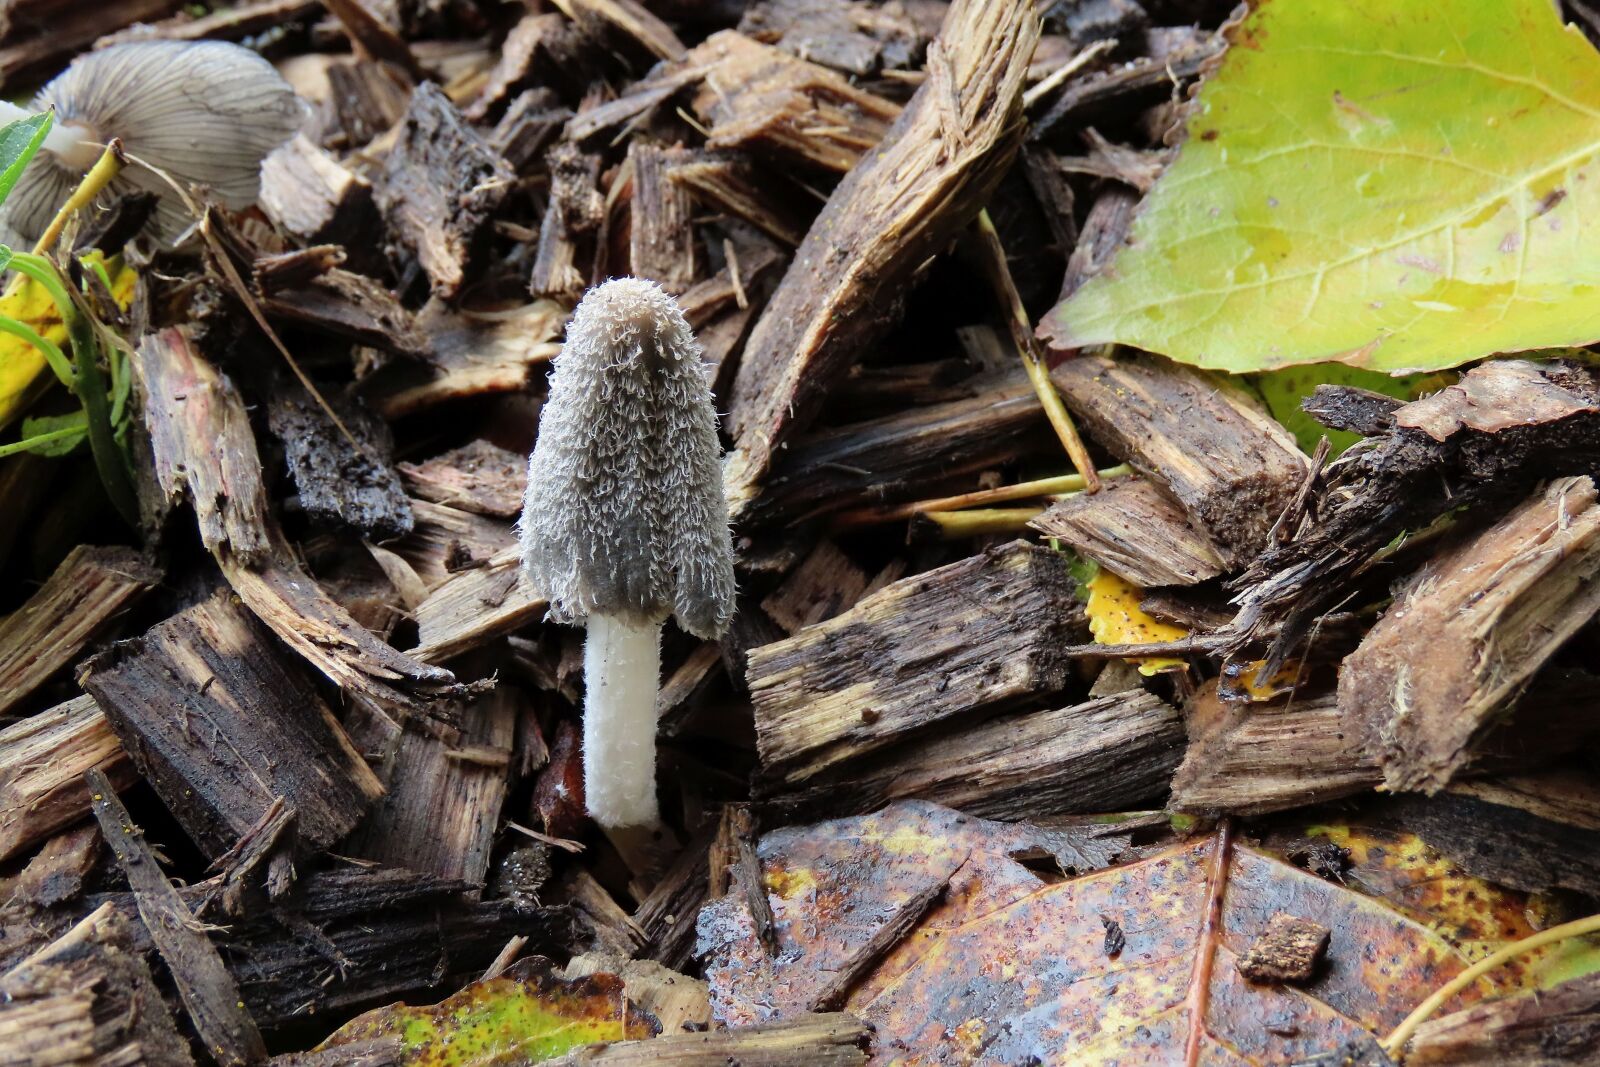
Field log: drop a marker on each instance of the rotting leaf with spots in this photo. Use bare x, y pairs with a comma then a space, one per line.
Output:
1115, 618
526, 1015
1009, 967
1403, 186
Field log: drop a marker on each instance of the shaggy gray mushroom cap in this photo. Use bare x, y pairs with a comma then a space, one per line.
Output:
206, 112
624, 513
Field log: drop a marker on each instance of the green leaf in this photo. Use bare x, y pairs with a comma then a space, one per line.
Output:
19, 143
45, 431
527, 1015
1284, 389
1403, 185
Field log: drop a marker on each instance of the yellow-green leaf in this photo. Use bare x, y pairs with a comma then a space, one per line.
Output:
1115, 618
1400, 184
527, 1015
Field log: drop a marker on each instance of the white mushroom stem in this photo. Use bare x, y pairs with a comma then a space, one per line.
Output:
621, 674
74, 144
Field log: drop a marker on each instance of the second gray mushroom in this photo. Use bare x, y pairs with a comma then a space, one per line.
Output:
624, 522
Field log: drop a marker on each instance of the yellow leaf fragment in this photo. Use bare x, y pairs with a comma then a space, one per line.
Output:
1115, 618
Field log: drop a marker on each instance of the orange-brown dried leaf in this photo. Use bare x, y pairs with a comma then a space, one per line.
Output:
1011, 965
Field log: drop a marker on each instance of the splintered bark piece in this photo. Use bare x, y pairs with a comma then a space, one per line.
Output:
1507, 424
87, 999
739, 188
1109, 754
445, 797
40, 36
537, 46
351, 306
1230, 464
682, 891
1457, 645
974, 635
1539, 1028
1286, 951
474, 607
661, 241
43, 759
209, 992
220, 722
312, 195
57, 872
89, 588
895, 457
627, 18
826, 583
446, 542
859, 39
1249, 759
471, 356
200, 435
832, 1040
927, 180
340, 483
1133, 529
441, 186
478, 477
785, 107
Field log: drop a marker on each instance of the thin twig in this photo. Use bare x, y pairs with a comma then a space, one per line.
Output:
1041, 488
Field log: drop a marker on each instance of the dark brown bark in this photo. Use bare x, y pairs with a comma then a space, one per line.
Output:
1134, 529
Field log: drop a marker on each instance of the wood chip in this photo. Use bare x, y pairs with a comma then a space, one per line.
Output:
209, 992
43, 759
661, 241
312, 195
978, 634
887, 215
221, 722
474, 607
89, 589
1286, 951
1134, 529
478, 477
1468, 631
1226, 461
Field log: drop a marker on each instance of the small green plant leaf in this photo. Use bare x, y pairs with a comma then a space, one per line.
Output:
46, 431
527, 1015
1402, 185
19, 143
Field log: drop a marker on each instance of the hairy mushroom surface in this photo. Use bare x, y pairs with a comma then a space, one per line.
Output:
624, 522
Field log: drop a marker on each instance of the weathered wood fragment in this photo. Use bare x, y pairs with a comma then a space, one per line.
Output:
475, 606
471, 355
1540, 1028
1109, 754
39, 37
627, 19
531, 122
478, 477
1104, 230
203, 448
1469, 630
1537, 831
1226, 461
575, 212
315, 197
369, 98
898, 456
738, 187
339, 483
225, 24
1477, 444
856, 38
1181, 53
447, 541
57, 871
209, 992
661, 241
88, 590
666, 917
931, 175
833, 1040
539, 48
1249, 759
786, 108
612, 929
445, 797
350, 306
374, 36
971, 636
826, 583
85, 998
43, 759
441, 186
1133, 529
218, 720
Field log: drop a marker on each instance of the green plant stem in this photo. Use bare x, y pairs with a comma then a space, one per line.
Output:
49, 349
36, 441
107, 167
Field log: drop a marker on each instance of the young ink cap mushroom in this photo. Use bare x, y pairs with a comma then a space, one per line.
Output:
624, 522
206, 112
